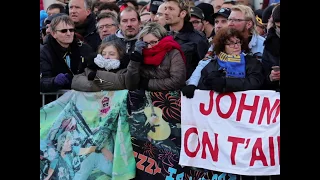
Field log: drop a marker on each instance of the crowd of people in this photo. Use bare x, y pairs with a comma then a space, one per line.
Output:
94, 46
161, 45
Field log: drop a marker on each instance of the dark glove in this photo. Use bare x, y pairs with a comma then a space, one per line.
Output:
139, 45
143, 84
90, 61
215, 83
92, 75
62, 79
188, 91
137, 57
219, 73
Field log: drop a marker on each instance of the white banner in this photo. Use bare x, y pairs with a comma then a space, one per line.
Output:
235, 133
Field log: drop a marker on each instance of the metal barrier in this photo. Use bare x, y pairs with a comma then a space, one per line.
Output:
58, 94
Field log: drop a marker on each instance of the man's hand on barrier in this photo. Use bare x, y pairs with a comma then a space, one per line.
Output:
62, 79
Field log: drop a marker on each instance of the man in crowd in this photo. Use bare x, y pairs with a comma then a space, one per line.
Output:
208, 21
271, 53
196, 18
193, 43
62, 56
154, 6
55, 8
129, 29
243, 19
159, 17
46, 26
85, 21
107, 24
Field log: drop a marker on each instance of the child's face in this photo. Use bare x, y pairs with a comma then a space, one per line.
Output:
110, 52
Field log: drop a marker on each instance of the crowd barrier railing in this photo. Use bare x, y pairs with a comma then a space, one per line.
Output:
57, 94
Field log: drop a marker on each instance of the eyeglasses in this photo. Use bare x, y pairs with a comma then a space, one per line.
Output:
195, 22
233, 44
237, 20
152, 43
66, 30
106, 26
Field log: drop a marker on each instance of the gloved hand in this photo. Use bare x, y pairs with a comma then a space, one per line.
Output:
188, 91
62, 79
215, 83
92, 75
219, 73
143, 84
136, 57
90, 61
139, 45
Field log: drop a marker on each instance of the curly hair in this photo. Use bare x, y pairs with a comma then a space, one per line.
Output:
225, 34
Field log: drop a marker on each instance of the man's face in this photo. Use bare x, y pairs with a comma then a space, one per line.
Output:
160, 18
172, 13
53, 11
217, 5
77, 12
219, 23
238, 22
129, 23
197, 23
63, 37
106, 26
48, 29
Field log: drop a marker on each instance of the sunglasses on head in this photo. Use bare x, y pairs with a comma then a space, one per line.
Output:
66, 30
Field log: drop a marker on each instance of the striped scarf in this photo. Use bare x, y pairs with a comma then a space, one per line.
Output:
234, 65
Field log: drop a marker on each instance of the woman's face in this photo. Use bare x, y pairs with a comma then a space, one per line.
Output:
233, 46
151, 40
110, 52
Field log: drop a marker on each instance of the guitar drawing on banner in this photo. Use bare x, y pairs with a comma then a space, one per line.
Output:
160, 128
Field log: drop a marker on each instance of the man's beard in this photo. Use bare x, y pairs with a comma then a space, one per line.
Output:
129, 36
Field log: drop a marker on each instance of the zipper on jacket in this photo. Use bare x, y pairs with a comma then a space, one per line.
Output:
101, 80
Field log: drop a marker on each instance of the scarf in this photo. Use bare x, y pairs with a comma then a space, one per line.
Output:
155, 55
70, 56
107, 64
234, 65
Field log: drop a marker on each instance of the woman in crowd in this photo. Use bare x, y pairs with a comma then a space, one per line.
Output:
159, 61
231, 70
